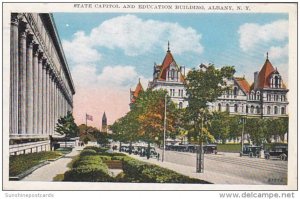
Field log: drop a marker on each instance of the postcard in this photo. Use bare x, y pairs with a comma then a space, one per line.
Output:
149, 96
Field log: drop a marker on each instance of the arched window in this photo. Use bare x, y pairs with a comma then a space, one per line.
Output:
219, 107
276, 82
252, 109
172, 73
180, 105
275, 110
258, 95
282, 110
258, 110
227, 107
235, 91
268, 110
235, 108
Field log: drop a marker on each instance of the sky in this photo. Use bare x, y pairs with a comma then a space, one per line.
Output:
108, 52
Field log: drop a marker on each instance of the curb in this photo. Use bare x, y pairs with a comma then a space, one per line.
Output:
29, 171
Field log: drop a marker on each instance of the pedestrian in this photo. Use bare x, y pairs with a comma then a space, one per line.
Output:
157, 156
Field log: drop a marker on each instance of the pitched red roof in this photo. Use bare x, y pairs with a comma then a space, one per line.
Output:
243, 83
137, 91
264, 74
166, 65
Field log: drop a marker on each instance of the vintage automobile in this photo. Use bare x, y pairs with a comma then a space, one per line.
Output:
277, 151
251, 151
210, 148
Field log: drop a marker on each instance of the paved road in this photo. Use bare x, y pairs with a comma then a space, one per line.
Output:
257, 170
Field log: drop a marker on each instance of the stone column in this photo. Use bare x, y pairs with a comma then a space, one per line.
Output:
50, 103
36, 86
22, 76
14, 74
40, 93
45, 95
48, 100
29, 83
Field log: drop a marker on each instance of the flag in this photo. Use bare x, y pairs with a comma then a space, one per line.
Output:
89, 117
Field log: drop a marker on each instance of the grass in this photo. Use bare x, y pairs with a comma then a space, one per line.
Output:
64, 150
21, 163
232, 148
59, 177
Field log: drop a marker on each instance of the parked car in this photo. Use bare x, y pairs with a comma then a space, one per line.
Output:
277, 151
251, 151
210, 148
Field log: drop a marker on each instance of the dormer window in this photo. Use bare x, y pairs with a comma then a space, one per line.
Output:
275, 81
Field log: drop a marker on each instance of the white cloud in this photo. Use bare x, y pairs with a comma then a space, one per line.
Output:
137, 36
80, 50
252, 34
277, 52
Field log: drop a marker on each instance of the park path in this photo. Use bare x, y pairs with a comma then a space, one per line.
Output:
49, 171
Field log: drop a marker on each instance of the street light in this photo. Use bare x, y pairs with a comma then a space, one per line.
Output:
165, 124
243, 120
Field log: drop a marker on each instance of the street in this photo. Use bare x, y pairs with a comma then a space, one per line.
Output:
232, 165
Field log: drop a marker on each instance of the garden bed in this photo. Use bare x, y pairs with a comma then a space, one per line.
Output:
25, 162
93, 164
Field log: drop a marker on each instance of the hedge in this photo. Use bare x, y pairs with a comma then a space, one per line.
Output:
138, 171
89, 167
21, 163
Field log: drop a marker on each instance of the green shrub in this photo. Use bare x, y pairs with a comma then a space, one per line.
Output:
97, 149
88, 152
87, 160
137, 171
88, 167
89, 174
105, 157
20, 163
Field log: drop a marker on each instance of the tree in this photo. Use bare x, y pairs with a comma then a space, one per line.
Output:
205, 85
66, 126
220, 126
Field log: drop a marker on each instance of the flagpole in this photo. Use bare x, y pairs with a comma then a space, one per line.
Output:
85, 123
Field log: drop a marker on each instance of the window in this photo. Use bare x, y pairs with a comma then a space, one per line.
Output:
276, 82
247, 109
275, 110
268, 97
219, 107
180, 105
258, 110
227, 107
258, 95
172, 73
252, 109
282, 110
268, 110
235, 108
277, 98
235, 91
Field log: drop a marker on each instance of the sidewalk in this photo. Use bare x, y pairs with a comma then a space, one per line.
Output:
49, 171
215, 178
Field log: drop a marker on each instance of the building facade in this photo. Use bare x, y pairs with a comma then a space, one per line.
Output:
41, 86
170, 76
265, 97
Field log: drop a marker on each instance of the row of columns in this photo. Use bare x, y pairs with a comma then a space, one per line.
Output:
37, 94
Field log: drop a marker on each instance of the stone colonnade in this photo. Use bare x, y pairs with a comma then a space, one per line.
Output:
38, 94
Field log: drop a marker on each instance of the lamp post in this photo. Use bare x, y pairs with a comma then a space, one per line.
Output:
243, 131
165, 124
